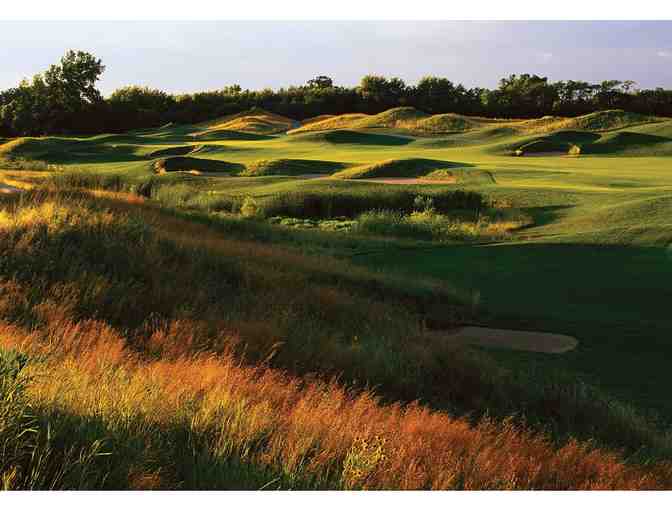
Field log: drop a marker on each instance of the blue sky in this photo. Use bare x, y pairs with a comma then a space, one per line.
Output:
192, 56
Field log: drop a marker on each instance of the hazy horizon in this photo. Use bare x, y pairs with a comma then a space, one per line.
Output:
194, 56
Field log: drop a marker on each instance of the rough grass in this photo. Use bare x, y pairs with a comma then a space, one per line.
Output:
232, 427
428, 225
254, 121
402, 118
189, 164
337, 203
593, 265
410, 167
141, 389
598, 121
446, 123
462, 176
37, 148
349, 137
346, 121
182, 150
292, 167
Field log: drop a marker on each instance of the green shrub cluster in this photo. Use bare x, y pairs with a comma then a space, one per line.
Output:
351, 204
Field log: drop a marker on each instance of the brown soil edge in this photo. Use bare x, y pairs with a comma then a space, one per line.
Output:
530, 341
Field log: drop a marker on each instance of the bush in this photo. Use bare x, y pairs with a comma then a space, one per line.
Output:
89, 180
428, 225
250, 208
330, 204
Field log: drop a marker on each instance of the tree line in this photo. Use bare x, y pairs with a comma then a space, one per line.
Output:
64, 100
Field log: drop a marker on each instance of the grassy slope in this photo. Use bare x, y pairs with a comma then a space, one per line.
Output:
582, 205
129, 386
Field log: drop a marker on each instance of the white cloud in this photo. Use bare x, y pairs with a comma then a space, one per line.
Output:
664, 53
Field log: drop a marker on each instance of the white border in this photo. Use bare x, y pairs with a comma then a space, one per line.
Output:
339, 500
337, 9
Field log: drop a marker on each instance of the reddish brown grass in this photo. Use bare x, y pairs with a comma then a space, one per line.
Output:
313, 429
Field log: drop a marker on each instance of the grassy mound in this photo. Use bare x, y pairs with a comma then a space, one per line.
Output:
586, 142
215, 149
226, 134
255, 121
606, 120
182, 150
402, 117
462, 176
60, 150
410, 167
345, 136
627, 142
187, 164
561, 142
405, 118
345, 121
318, 118
292, 167
447, 123
47, 148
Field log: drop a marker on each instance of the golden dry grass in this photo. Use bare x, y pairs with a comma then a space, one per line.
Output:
255, 121
312, 430
183, 376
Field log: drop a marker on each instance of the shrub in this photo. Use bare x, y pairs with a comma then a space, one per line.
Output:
429, 225
330, 204
250, 208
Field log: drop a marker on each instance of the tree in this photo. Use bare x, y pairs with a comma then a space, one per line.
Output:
628, 85
436, 95
383, 92
526, 95
611, 94
132, 107
55, 101
321, 82
71, 83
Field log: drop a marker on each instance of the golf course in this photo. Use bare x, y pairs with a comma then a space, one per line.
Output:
472, 268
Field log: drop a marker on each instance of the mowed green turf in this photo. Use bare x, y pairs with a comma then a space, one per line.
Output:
595, 264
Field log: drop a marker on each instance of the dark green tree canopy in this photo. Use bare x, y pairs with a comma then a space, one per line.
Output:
64, 99
51, 101
321, 82
73, 80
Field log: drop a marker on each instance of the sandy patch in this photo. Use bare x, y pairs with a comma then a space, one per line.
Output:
531, 341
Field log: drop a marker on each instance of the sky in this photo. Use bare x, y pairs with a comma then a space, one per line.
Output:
193, 56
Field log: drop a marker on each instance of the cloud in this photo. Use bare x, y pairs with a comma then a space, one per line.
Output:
545, 56
665, 53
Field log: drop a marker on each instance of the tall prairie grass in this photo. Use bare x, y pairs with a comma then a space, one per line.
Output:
165, 354
204, 421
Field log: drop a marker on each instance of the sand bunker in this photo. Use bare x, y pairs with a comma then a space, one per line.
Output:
531, 341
